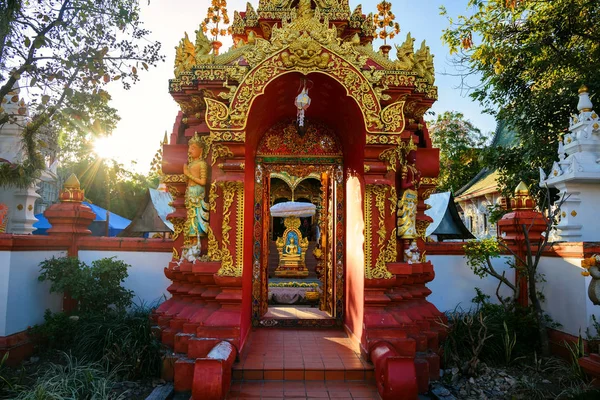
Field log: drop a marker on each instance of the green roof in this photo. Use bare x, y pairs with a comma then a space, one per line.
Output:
486, 180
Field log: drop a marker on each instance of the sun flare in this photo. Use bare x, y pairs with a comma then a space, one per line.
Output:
104, 147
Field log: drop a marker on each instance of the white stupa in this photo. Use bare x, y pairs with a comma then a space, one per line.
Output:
576, 175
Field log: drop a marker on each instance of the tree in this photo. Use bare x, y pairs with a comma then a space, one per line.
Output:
109, 184
460, 144
62, 54
526, 260
532, 56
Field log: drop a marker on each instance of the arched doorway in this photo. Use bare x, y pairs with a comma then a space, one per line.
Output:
310, 168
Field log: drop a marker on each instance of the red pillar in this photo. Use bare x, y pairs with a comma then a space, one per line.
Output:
513, 225
70, 218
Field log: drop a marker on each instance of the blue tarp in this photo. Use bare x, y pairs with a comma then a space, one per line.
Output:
116, 223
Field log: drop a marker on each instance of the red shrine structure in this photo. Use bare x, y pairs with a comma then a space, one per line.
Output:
301, 108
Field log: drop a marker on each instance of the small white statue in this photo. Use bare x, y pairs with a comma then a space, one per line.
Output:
191, 253
413, 256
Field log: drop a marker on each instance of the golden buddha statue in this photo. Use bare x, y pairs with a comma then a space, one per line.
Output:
292, 247
196, 173
291, 250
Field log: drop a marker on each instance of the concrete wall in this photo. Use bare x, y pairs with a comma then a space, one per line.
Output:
146, 275
23, 299
566, 298
454, 284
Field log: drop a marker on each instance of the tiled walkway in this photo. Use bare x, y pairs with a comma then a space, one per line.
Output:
285, 363
298, 312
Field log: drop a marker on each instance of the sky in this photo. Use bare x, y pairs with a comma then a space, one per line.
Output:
147, 110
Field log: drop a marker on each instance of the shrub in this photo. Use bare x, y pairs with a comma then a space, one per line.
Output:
75, 379
97, 289
511, 332
117, 339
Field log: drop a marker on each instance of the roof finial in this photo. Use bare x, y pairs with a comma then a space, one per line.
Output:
584, 104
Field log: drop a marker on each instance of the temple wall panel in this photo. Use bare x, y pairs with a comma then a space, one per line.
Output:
23, 299
566, 294
146, 275
454, 284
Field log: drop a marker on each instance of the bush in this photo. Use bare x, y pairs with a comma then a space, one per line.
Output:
118, 339
510, 333
97, 289
75, 379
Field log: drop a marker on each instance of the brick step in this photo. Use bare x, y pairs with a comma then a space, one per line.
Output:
308, 373
330, 389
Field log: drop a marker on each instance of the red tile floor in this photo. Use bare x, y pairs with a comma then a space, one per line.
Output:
306, 364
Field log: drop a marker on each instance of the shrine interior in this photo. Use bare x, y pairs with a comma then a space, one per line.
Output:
297, 295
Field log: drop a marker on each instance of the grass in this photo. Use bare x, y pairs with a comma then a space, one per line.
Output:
73, 379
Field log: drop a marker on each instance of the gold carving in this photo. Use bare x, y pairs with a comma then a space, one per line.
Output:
202, 48
216, 114
178, 225
219, 151
405, 54
574, 213
379, 271
175, 254
421, 227
231, 190
429, 181
213, 252
175, 178
424, 64
185, 56
305, 53
393, 117
212, 197
384, 139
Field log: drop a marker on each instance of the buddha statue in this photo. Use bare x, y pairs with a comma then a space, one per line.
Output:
291, 251
292, 247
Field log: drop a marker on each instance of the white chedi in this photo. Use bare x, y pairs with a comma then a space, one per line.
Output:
576, 173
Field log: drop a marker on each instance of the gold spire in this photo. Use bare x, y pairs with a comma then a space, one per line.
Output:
522, 189
165, 139
72, 182
71, 192
522, 200
583, 89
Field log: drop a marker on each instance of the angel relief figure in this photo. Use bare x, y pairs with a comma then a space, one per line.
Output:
196, 173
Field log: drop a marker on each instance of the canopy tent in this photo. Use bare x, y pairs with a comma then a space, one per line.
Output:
151, 215
446, 221
116, 223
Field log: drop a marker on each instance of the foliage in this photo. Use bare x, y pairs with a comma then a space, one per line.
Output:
594, 339
97, 289
460, 143
75, 379
531, 56
495, 213
124, 340
516, 322
576, 351
509, 344
64, 53
384, 21
107, 183
480, 254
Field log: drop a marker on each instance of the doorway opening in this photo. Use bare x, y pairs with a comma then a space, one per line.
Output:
298, 258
